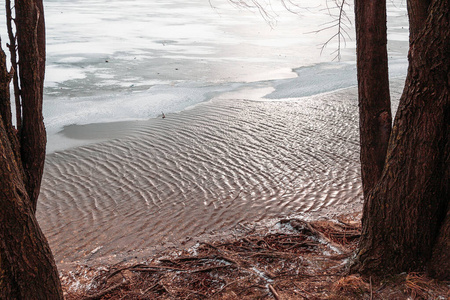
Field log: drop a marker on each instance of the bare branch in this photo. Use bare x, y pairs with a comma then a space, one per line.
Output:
339, 24
334, 8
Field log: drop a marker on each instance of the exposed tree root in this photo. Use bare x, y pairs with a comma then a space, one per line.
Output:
300, 261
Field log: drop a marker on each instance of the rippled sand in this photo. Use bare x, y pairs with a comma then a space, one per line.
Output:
203, 170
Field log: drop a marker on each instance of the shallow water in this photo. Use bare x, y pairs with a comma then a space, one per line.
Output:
206, 169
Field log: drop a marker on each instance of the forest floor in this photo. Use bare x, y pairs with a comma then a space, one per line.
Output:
294, 260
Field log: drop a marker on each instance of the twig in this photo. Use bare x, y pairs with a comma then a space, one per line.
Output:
225, 286
165, 288
104, 292
209, 269
195, 293
274, 292
156, 268
303, 290
258, 286
150, 288
371, 289
187, 258
277, 254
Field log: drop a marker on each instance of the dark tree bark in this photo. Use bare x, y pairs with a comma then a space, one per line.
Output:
404, 215
27, 267
440, 261
373, 88
13, 53
5, 107
417, 13
31, 49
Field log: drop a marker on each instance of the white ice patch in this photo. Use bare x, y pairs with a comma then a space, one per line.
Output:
74, 59
127, 106
55, 74
262, 275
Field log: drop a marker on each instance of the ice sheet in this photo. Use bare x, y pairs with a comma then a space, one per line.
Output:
117, 60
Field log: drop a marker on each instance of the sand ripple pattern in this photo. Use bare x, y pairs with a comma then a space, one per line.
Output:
202, 170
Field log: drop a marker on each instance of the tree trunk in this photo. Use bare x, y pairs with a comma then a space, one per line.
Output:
31, 49
373, 88
27, 267
440, 261
404, 214
417, 13
5, 107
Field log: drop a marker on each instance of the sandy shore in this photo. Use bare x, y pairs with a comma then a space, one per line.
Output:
226, 162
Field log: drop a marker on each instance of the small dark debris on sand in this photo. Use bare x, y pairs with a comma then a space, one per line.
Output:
300, 260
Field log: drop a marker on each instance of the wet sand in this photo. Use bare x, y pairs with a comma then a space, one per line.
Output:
227, 161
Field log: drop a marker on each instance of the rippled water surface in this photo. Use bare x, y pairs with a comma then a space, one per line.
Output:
205, 169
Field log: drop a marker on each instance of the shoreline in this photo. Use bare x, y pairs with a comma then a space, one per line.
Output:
79, 135
199, 172
80, 281
291, 259
137, 256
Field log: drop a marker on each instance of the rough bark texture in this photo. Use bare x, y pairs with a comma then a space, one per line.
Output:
27, 267
373, 88
440, 261
5, 79
31, 49
404, 214
5, 108
417, 13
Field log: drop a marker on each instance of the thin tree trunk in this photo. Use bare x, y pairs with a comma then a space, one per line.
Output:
5, 97
404, 214
31, 49
373, 88
13, 54
5, 107
5, 79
